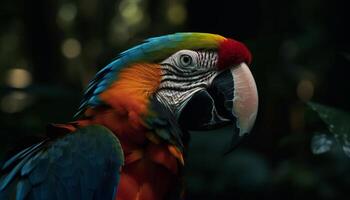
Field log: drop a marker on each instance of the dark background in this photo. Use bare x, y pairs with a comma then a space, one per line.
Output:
49, 49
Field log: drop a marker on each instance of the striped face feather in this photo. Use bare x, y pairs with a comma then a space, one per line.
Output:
203, 79
207, 89
187, 61
183, 74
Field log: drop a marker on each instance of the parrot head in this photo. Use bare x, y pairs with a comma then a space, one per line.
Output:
202, 79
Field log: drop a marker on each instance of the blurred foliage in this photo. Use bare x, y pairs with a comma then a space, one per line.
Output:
49, 50
338, 123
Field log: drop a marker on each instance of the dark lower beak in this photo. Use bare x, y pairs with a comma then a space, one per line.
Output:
231, 99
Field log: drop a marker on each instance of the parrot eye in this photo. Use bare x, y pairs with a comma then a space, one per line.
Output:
186, 60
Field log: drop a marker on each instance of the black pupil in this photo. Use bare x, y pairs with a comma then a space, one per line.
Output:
186, 59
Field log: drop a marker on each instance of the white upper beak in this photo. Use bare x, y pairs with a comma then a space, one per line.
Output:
245, 101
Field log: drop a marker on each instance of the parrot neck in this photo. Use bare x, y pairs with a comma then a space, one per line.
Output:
127, 102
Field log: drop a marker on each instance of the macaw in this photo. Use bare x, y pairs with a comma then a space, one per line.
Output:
129, 137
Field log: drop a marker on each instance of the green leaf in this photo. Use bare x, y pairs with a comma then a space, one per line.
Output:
321, 143
338, 123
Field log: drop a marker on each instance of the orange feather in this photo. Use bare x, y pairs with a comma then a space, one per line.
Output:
151, 167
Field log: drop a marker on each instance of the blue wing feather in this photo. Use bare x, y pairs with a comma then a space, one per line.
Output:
23, 188
21, 154
80, 165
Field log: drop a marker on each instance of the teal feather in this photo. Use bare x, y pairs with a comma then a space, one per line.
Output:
23, 188
152, 50
21, 154
84, 164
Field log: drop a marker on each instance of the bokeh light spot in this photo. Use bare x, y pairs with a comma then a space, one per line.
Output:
67, 12
18, 78
176, 13
305, 90
131, 12
71, 48
14, 102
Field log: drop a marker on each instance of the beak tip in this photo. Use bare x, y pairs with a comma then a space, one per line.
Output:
235, 142
247, 126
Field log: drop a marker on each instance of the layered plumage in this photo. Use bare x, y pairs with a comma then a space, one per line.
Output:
153, 50
137, 99
77, 166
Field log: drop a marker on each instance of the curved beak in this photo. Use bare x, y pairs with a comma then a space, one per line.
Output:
231, 97
245, 98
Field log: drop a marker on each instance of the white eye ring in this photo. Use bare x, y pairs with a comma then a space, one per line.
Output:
186, 60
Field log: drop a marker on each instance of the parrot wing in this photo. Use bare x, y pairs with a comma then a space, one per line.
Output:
84, 164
